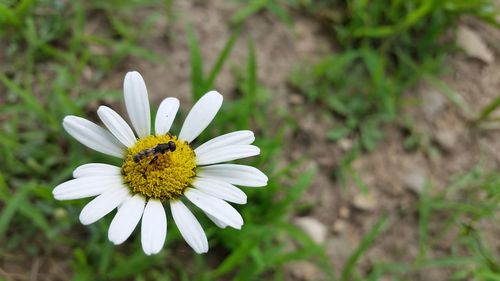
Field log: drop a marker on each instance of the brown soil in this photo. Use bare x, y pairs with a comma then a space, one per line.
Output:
395, 175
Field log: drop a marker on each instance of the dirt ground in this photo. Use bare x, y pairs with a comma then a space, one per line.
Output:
394, 175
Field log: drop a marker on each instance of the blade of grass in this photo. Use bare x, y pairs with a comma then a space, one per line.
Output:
8, 16
424, 211
488, 110
29, 100
17, 201
251, 85
235, 258
310, 250
451, 95
251, 8
249, 89
221, 59
197, 81
132, 265
365, 244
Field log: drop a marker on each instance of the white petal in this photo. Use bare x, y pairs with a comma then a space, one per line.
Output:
126, 219
221, 190
216, 207
96, 169
166, 115
189, 227
202, 113
137, 103
117, 126
154, 227
102, 205
93, 136
227, 153
234, 174
217, 222
86, 187
234, 138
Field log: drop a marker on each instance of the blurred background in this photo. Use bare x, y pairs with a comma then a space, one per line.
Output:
376, 119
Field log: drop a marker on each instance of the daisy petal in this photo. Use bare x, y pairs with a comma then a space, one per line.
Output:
234, 138
86, 187
117, 126
189, 227
227, 153
92, 136
221, 190
154, 227
137, 103
202, 113
126, 219
96, 169
217, 222
102, 205
234, 174
216, 207
166, 115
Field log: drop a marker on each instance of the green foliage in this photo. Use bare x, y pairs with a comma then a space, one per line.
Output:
334, 83
47, 30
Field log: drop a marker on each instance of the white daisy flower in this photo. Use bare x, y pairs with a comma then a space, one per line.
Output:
160, 169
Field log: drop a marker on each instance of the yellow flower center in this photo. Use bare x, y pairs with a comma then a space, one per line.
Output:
159, 173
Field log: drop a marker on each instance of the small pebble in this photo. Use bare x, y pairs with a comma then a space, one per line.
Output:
314, 228
364, 202
414, 180
473, 45
344, 212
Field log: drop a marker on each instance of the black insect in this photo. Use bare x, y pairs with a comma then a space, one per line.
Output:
159, 149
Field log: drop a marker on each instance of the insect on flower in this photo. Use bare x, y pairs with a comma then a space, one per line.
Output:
159, 149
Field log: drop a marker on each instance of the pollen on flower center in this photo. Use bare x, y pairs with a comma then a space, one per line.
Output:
157, 175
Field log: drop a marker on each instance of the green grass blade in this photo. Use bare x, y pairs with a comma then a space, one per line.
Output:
8, 16
197, 80
366, 242
132, 265
488, 110
451, 95
424, 211
221, 59
12, 205
251, 85
30, 101
238, 256
253, 7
